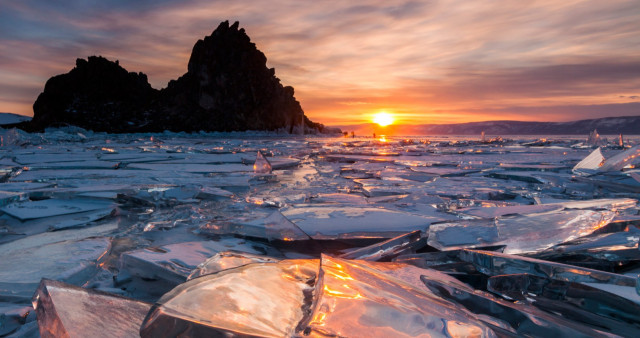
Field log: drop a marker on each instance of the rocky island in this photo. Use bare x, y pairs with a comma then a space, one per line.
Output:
227, 87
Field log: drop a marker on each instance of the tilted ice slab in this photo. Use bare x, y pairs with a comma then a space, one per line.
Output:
605, 203
510, 319
332, 222
354, 299
520, 234
228, 260
495, 263
575, 301
53, 207
174, 262
24, 262
65, 310
263, 299
622, 159
389, 249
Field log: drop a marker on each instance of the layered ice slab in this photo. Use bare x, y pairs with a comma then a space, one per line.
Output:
574, 301
24, 262
521, 234
357, 300
53, 207
334, 222
263, 299
507, 318
495, 263
65, 310
389, 249
228, 260
174, 262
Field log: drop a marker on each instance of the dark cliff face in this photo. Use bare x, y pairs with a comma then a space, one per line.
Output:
97, 94
227, 87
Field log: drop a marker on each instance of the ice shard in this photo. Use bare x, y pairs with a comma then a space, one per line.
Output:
228, 260
622, 159
333, 222
387, 250
262, 165
495, 263
72, 261
53, 207
507, 318
618, 247
521, 234
263, 299
174, 262
12, 317
591, 162
574, 301
273, 227
356, 300
65, 310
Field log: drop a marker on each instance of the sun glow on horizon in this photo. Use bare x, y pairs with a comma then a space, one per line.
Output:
383, 119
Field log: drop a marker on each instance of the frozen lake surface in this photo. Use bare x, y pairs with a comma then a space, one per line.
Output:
276, 235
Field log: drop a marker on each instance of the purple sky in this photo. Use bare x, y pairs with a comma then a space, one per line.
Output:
424, 61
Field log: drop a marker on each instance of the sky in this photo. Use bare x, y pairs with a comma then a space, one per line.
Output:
446, 61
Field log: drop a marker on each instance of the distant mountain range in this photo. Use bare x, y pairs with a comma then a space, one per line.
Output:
605, 126
9, 118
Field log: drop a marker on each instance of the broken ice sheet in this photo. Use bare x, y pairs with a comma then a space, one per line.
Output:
228, 260
24, 262
262, 165
263, 299
387, 250
333, 222
590, 163
521, 234
619, 247
574, 301
356, 300
65, 310
273, 227
12, 317
505, 317
622, 159
174, 262
495, 263
8, 197
53, 207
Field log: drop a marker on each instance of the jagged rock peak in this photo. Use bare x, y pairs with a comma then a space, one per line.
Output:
227, 87
97, 94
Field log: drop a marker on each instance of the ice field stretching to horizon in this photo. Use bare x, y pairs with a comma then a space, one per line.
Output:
261, 234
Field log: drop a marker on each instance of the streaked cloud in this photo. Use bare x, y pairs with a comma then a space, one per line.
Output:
427, 61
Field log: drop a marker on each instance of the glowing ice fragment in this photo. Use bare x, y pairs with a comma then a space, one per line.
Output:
65, 310
262, 165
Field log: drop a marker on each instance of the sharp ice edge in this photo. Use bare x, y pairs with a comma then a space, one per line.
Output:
170, 217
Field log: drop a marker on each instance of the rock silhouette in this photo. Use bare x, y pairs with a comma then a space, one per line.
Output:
97, 94
227, 87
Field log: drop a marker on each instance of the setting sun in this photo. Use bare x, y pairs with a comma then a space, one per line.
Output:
383, 119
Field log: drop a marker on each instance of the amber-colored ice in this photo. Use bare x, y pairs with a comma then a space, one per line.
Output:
263, 299
65, 310
262, 165
357, 300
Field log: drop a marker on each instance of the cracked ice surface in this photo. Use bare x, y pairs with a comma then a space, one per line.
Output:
273, 235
